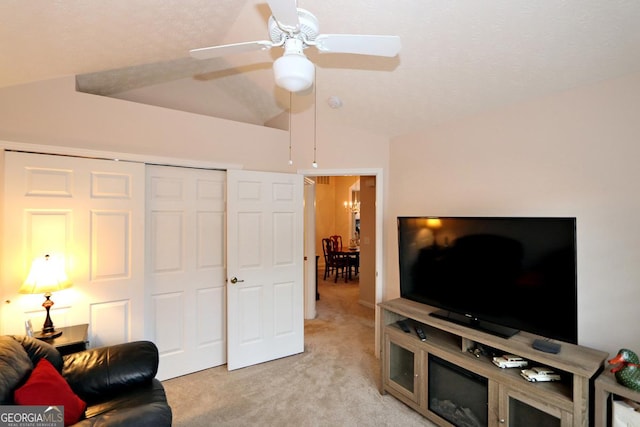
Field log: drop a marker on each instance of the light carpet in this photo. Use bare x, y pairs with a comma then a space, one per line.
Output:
334, 382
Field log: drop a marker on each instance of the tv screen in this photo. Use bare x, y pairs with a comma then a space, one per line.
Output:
499, 274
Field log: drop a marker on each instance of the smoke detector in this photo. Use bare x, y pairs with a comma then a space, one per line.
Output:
334, 102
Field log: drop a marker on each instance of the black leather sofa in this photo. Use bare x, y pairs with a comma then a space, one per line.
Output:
117, 382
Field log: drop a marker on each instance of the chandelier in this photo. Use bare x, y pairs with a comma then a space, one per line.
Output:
353, 207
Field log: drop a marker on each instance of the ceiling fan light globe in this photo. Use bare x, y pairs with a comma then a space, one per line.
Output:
293, 72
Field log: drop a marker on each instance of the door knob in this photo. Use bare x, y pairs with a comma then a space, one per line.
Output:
235, 280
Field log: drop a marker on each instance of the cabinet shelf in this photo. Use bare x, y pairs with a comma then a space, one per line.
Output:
566, 400
606, 387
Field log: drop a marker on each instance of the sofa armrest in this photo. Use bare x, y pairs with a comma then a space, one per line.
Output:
37, 349
97, 373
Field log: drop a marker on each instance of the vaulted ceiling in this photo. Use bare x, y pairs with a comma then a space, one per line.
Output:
458, 57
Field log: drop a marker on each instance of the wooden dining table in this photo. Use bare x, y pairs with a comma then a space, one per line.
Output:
353, 253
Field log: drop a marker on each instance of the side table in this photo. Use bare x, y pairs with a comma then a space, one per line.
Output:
73, 339
606, 385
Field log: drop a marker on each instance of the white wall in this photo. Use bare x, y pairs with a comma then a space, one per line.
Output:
573, 154
53, 113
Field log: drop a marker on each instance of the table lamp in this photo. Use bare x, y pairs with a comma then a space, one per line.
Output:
46, 275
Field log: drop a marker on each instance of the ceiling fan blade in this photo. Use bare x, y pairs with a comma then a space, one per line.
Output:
229, 49
359, 44
285, 13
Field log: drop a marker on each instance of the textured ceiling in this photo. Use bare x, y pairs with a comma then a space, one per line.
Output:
458, 57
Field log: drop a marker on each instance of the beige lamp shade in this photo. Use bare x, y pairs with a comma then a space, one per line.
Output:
47, 275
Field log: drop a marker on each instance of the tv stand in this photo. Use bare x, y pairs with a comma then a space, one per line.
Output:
475, 323
508, 398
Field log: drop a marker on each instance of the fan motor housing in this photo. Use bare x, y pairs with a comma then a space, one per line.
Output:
308, 30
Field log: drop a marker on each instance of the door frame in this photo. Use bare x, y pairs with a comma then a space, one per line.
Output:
379, 209
310, 260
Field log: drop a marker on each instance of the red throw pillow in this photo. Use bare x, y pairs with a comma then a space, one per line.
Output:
45, 386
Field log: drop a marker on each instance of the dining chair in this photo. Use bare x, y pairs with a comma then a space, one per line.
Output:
335, 262
353, 259
326, 249
354, 262
337, 242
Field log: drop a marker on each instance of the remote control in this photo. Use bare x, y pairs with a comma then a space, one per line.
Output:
421, 334
546, 346
403, 325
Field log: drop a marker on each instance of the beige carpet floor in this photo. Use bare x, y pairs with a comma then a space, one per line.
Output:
334, 382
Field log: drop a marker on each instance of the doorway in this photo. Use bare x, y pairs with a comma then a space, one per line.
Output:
375, 180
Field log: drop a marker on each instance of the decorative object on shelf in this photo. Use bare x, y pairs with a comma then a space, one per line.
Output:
539, 373
627, 369
483, 350
28, 328
47, 275
509, 361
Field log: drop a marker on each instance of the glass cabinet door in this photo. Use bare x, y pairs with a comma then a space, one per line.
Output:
401, 371
523, 411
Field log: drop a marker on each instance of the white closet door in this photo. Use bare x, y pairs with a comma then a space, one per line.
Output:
185, 268
91, 212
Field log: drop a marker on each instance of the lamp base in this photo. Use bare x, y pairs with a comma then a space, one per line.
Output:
47, 335
48, 332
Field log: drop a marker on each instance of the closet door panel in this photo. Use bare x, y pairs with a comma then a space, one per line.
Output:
186, 268
91, 213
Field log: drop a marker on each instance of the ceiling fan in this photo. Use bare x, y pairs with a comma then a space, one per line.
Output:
295, 29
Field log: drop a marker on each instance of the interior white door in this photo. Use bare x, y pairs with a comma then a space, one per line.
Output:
265, 302
90, 211
310, 259
185, 268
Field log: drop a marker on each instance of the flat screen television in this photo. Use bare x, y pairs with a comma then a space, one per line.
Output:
498, 274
